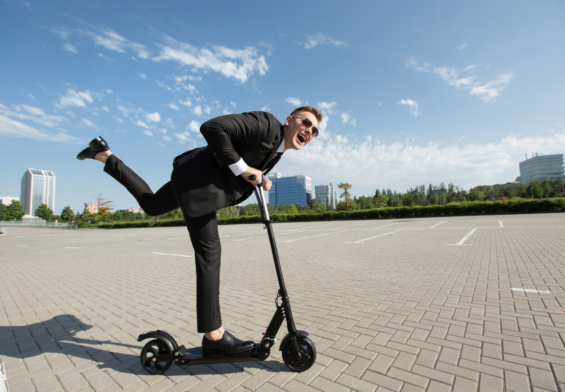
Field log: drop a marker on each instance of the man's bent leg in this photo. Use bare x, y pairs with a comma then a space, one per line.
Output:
152, 204
207, 249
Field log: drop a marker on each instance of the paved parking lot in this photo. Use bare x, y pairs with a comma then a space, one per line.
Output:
438, 304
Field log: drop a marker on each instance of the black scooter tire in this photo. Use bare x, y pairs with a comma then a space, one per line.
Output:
306, 359
156, 357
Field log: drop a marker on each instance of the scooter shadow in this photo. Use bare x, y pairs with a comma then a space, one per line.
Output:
59, 336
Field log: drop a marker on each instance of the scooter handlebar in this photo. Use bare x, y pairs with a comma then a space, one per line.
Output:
253, 177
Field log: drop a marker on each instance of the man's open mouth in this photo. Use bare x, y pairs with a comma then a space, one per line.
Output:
301, 138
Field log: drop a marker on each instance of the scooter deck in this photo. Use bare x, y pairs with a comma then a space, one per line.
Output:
194, 356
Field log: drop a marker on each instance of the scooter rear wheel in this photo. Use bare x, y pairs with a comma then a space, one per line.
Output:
302, 361
156, 357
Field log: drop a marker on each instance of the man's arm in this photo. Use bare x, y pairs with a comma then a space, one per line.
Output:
221, 133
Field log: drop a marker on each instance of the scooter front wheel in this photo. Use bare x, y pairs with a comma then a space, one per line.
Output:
156, 357
303, 359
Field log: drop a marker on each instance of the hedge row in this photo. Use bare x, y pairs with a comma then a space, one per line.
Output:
469, 208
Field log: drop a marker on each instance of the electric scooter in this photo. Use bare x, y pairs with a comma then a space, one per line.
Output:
298, 351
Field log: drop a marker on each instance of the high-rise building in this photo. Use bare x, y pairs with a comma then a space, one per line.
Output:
294, 190
541, 167
326, 194
38, 187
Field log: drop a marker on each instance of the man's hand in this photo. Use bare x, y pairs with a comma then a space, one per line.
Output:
257, 179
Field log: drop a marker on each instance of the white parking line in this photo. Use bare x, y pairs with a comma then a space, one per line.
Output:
531, 291
436, 225
500, 223
370, 238
469, 234
3, 379
318, 235
170, 254
380, 227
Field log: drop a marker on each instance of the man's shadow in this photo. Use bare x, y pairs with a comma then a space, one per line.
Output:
58, 336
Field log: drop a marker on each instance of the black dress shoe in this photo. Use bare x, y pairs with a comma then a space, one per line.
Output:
97, 145
227, 345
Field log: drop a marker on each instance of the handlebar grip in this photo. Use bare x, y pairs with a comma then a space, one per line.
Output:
253, 177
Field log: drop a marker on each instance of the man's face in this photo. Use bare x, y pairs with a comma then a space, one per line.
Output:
296, 133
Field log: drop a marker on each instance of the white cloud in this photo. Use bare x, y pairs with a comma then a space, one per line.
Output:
372, 164
486, 91
197, 110
148, 133
294, 101
111, 40
412, 105
70, 48
462, 46
239, 64
141, 124
33, 114
320, 39
153, 117
173, 106
13, 128
327, 107
187, 103
194, 126
75, 99
346, 118
492, 89
88, 123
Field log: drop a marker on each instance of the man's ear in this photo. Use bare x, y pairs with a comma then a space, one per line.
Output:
287, 121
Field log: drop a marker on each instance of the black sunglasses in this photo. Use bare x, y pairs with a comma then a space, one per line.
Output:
308, 123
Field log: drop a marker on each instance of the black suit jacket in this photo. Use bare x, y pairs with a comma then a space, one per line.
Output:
201, 178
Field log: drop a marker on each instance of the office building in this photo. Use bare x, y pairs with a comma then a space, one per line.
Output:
541, 167
7, 200
91, 207
294, 190
38, 187
326, 194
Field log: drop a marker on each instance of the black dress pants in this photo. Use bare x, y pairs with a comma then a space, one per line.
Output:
203, 231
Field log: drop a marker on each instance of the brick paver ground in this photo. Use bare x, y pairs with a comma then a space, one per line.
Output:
438, 304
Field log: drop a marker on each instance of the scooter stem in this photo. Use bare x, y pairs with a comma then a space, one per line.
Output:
259, 192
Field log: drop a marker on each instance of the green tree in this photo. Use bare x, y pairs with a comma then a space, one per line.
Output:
13, 211
104, 208
44, 212
249, 209
534, 190
1, 211
381, 201
318, 206
228, 212
366, 203
346, 205
345, 186
67, 214
292, 209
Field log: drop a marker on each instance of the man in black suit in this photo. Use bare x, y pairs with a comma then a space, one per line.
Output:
206, 179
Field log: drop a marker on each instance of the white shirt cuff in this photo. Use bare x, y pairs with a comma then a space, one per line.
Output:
238, 167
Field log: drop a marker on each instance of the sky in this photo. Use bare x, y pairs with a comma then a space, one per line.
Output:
413, 92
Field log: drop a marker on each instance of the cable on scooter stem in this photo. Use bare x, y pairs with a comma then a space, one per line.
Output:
261, 198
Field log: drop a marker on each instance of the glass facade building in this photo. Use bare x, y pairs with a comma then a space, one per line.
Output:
38, 187
541, 167
295, 190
